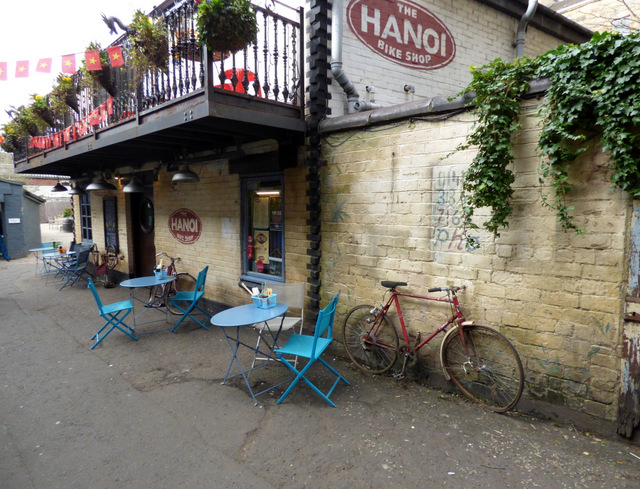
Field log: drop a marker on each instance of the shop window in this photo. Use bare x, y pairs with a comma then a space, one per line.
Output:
85, 217
263, 228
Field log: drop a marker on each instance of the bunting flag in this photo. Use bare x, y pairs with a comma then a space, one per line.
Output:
110, 105
22, 69
3, 70
115, 56
92, 60
44, 65
69, 64
94, 117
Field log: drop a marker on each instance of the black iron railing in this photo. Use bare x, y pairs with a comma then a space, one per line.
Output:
270, 69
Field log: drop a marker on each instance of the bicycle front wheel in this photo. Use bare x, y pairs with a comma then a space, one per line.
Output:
372, 346
485, 366
183, 283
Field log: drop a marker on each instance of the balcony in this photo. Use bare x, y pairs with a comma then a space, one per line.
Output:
204, 102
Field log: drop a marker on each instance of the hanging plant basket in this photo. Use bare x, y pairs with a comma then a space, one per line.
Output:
227, 25
64, 93
150, 45
102, 77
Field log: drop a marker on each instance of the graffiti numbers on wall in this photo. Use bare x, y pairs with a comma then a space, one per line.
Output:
447, 219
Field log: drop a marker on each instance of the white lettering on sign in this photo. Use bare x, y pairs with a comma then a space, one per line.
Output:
403, 32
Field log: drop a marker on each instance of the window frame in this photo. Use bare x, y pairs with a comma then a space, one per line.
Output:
86, 227
246, 222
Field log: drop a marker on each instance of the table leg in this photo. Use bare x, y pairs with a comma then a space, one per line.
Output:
234, 358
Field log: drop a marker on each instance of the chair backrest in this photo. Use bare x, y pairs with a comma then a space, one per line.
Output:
290, 294
324, 324
95, 294
202, 278
83, 257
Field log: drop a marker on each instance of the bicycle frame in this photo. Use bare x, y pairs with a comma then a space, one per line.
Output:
456, 318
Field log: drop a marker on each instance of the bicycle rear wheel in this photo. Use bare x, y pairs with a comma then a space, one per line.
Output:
486, 367
373, 348
183, 283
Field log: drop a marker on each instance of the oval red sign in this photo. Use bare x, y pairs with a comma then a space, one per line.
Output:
403, 32
185, 226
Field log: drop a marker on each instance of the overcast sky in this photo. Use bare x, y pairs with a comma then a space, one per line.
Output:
34, 29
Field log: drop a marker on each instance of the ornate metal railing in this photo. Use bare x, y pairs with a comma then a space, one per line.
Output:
271, 69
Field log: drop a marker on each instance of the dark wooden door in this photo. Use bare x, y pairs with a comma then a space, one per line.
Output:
143, 235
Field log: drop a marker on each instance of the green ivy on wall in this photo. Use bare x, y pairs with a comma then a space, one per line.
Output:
593, 93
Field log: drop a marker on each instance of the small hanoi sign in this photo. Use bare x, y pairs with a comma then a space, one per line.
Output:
185, 226
403, 32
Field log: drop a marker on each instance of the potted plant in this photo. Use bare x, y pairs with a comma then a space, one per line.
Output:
40, 108
103, 76
226, 25
64, 93
149, 45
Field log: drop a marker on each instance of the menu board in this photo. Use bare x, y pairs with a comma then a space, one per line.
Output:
110, 210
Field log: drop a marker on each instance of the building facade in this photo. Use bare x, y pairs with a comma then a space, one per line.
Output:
355, 190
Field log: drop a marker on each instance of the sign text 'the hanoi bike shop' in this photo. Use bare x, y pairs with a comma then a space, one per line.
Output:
185, 226
403, 32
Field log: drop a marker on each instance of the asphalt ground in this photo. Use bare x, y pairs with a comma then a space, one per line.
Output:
154, 414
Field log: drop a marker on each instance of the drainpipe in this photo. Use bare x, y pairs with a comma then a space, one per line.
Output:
522, 27
336, 57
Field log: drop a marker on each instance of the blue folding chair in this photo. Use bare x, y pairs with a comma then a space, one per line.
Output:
312, 347
111, 312
75, 268
191, 298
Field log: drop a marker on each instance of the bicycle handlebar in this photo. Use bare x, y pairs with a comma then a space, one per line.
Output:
454, 288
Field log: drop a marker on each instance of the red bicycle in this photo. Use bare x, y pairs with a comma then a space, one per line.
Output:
480, 360
159, 294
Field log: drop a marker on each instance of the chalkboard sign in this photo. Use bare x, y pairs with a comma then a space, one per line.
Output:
110, 222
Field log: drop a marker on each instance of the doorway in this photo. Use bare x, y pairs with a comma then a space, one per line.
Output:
143, 235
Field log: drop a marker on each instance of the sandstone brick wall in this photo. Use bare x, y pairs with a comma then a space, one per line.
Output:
391, 213
481, 35
216, 200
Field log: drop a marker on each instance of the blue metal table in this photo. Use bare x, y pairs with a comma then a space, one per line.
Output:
147, 282
38, 252
246, 316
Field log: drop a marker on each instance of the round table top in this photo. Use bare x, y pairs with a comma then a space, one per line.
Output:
146, 281
247, 315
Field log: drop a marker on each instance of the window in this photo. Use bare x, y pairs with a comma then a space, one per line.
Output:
263, 228
85, 217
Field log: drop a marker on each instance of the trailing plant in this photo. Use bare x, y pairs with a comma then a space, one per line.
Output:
150, 44
487, 182
227, 25
593, 92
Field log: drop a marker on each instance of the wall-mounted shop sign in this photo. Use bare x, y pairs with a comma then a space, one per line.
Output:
403, 32
185, 226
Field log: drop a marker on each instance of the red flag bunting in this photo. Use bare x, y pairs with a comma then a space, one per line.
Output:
22, 69
94, 117
92, 60
69, 64
115, 56
44, 65
110, 105
3, 70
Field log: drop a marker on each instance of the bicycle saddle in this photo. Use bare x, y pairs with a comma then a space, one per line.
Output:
392, 285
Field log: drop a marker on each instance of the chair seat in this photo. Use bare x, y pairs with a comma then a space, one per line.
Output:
188, 295
117, 306
274, 324
301, 345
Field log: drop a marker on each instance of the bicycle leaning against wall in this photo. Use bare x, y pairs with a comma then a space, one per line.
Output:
480, 360
160, 294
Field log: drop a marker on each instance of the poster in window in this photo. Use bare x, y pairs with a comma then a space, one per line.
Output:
110, 212
261, 212
261, 246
